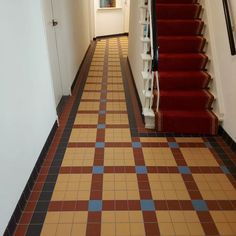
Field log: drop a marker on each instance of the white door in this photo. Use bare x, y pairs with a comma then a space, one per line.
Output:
51, 25
126, 12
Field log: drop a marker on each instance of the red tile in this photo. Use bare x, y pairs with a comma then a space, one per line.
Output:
134, 205
82, 205
210, 229
161, 205
144, 194
55, 206
94, 217
21, 230
173, 205
69, 206
108, 205
96, 195
93, 229
152, 229
25, 218
121, 205
149, 217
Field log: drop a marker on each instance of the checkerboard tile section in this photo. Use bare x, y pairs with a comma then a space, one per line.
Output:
115, 180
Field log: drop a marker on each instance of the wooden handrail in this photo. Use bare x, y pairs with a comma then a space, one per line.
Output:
229, 27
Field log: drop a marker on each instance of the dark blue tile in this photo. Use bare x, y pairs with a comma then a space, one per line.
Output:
141, 169
101, 126
173, 145
225, 169
98, 169
100, 145
136, 145
184, 170
95, 205
147, 205
199, 205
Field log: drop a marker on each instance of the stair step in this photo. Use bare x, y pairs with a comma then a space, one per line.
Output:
191, 122
180, 44
185, 100
177, 1
178, 11
182, 80
177, 62
179, 27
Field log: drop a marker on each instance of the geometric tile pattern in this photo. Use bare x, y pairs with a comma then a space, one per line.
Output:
105, 174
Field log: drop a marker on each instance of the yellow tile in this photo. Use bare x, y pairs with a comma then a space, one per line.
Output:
195, 229
58, 196
83, 186
108, 177
108, 195
122, 229
158, 195
120, 195
70, 196
224, 229
122, 216
181, 229
230, 216
96, 87
97, 73
52, 218
49, 230
91, 95
82, 119
63, 229
108, 186
163, 216
108, 217
117, 119
191, 217
120, 185
78, 230
73, 186
60, 186
132, 186
166, 229
83, 135
115, 95
153, 140
182, 195
117, 135
189, 140
83, 195
199, 157
135, 216
115, 87
89, 106
80, 217
108, 229
66, 217
177, 216
116, 106
137, 229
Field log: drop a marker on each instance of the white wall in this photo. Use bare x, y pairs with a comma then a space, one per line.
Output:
109, 21
26, 98
225, 64
73, 37
135, 47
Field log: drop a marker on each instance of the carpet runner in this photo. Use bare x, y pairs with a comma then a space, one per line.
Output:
185, 102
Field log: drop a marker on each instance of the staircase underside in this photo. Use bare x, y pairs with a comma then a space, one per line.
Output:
185, 100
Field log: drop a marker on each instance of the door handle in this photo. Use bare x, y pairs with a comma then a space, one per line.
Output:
54, 23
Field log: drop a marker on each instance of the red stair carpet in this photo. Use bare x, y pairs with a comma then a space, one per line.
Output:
185, 102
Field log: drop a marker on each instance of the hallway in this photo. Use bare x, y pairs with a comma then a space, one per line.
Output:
105, 174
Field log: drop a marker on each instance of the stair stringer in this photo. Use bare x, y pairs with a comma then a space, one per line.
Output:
210, 49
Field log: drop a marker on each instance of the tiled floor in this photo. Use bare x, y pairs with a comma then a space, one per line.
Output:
106, 175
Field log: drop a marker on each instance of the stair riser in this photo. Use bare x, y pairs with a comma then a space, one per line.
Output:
186, 125
185, 102
185, 11
182, 83
177, 1
178, 64
181, 45
179, 27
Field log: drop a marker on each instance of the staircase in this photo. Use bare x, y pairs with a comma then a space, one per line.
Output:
185, 103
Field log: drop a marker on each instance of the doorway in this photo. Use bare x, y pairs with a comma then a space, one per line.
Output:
51, 24
111, 17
